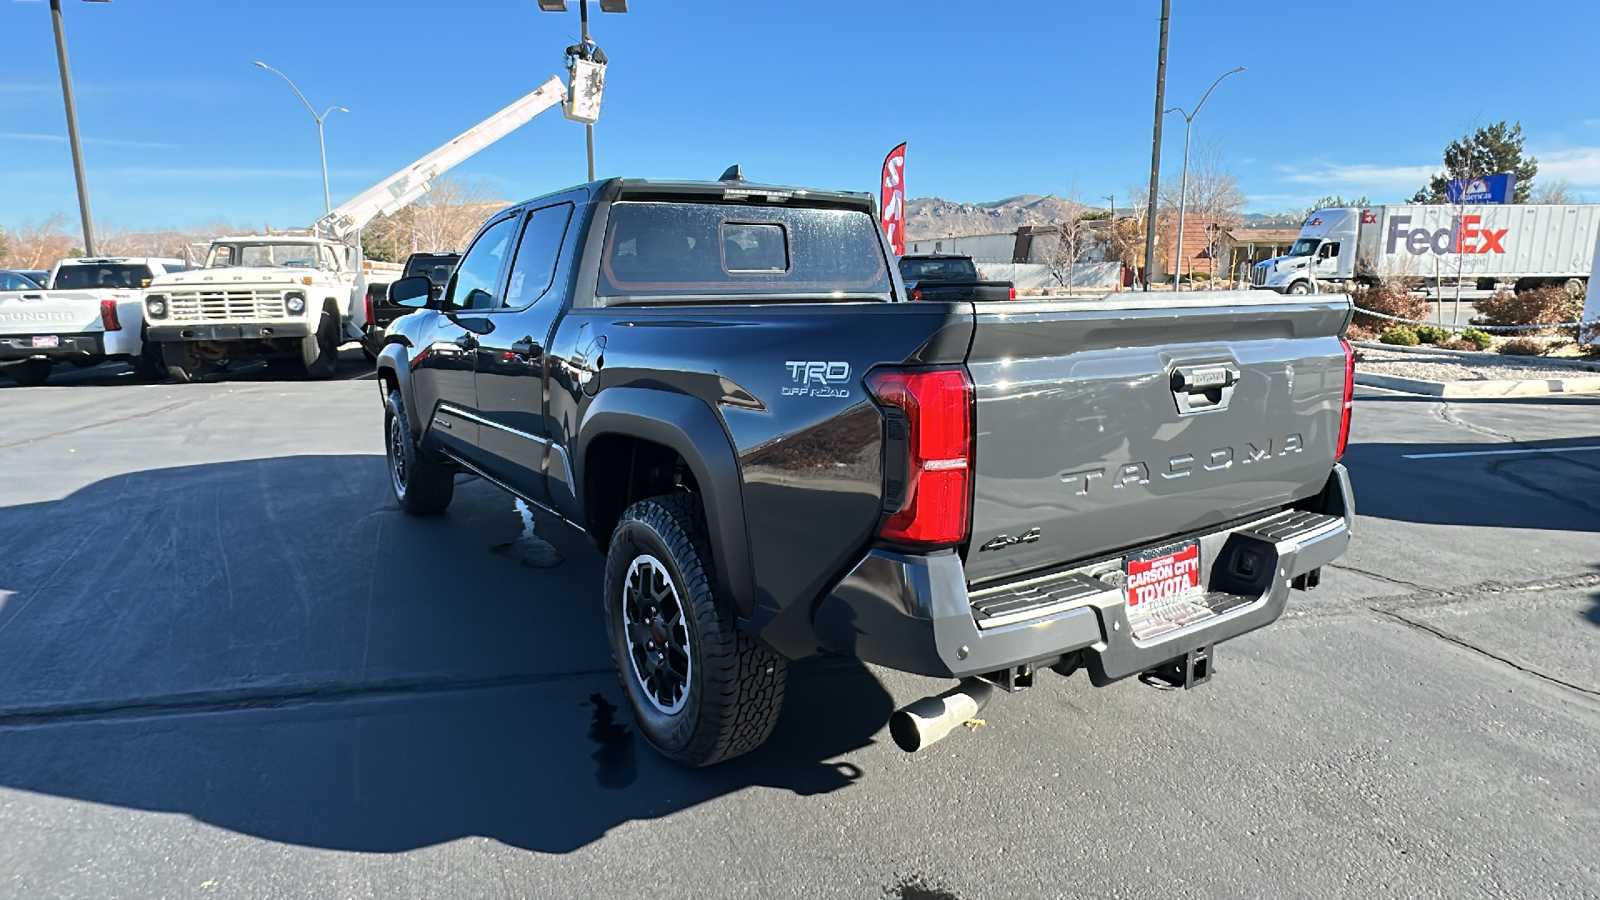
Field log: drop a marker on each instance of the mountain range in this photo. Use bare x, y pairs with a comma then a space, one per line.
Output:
934, 217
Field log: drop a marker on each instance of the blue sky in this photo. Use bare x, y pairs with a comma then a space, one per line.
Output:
995, 98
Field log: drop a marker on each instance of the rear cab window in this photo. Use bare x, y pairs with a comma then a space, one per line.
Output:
91, 276
952, 269
666, 251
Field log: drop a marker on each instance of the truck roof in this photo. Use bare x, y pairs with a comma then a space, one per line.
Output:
647, 188
116, 260
274, 239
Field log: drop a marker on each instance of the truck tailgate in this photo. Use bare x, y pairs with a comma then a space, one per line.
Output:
1112, 424
66, 312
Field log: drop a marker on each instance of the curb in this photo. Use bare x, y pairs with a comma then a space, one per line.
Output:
1448, 389
1497, 358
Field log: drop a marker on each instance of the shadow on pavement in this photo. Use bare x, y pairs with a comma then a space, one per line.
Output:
272, 647
1549, 490
352, 364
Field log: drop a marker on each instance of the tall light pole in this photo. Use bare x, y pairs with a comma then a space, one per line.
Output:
1183, 190
327, 203
72, 127
1155, 147
586, 49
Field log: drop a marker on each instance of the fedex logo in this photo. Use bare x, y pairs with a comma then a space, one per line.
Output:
1463, 236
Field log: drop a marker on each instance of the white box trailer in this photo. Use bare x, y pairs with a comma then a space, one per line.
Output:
1490, 244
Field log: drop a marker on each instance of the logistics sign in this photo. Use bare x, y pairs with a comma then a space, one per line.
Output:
1463, 236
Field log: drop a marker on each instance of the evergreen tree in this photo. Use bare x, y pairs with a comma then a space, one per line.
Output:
1334, 201
1488, 151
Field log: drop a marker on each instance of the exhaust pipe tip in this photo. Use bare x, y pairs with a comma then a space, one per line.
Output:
932, 719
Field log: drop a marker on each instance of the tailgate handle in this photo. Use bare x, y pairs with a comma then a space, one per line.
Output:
1203, 388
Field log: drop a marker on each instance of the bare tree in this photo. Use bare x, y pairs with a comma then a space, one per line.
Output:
1128, 232
1072, 231
1558, 191
38, 243
444, 219
1214, 197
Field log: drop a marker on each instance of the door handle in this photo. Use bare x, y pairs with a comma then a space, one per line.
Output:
467, 342
525, 348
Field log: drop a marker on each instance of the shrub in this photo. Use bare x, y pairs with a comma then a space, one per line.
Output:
1547, 305
1459, 344
1432, 334
1480, 339
1522, 347
1401, 336
1359, 332
1391, 299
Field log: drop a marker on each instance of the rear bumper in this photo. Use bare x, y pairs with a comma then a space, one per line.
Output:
914, 614
198, 331
69, 347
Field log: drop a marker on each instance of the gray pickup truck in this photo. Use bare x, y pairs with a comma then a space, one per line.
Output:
723, 385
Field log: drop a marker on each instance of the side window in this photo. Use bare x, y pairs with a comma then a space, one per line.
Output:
475, 279
1329, 251
537, 255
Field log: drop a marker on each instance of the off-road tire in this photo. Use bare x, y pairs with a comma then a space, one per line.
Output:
319, 351
423, 486
29, 372
735, 686
149, 364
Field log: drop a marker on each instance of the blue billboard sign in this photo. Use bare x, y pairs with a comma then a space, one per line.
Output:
1484, 189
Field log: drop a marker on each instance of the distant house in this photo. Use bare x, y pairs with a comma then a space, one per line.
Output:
1256, 244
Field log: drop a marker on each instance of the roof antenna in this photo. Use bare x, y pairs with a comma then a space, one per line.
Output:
734, 173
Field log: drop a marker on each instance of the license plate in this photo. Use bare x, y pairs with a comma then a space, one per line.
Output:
46, 341
1172, 575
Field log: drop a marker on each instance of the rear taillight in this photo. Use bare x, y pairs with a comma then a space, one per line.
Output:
1013, 294
108, 316
929, 501
916, 293
370, 320
1349, 395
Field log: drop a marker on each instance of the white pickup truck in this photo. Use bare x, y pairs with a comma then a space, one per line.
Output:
289, 299
93, 311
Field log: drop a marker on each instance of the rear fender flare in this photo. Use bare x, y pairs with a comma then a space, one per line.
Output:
394, 361
689, 427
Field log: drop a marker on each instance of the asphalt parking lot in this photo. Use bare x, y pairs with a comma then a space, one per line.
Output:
233, 668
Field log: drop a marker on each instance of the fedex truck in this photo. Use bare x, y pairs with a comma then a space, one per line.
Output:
1487, 245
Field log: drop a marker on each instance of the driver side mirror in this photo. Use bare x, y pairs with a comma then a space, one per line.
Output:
415, 292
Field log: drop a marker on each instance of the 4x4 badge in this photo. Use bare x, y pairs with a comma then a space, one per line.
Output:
1003, 541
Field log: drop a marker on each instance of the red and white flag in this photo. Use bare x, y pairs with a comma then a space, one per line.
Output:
892, 199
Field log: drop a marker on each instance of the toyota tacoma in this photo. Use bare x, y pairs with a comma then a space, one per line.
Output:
725, 386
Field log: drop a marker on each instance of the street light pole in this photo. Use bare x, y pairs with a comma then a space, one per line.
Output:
585, 49
1183, 189
72, 129
1155, 147
327, 202
588, 127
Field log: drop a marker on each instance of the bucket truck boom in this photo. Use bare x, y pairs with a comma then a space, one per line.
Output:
297, 296
403, 187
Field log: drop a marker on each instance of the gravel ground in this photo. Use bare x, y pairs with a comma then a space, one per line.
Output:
1446, 367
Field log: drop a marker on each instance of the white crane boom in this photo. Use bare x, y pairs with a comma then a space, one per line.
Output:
406, 185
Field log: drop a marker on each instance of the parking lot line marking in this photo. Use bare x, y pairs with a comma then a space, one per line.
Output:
1498, 452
